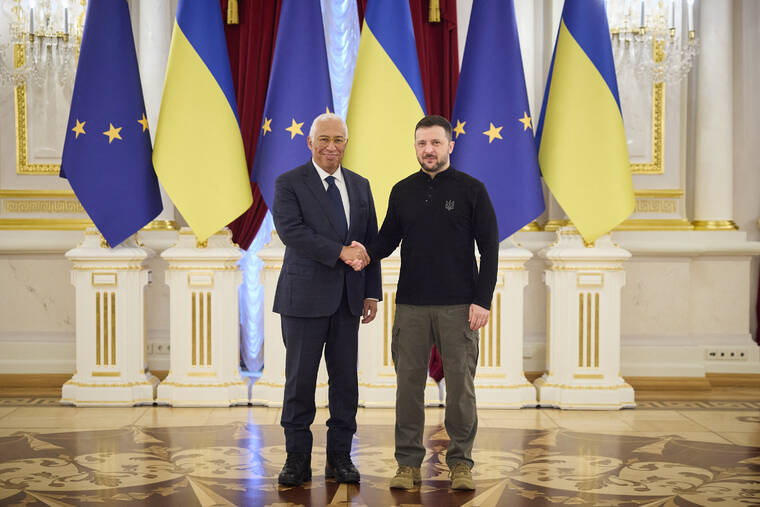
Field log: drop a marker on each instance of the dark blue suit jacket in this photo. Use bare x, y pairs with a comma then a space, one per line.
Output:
312, 276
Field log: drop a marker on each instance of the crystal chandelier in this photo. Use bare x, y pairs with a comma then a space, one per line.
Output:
40, 40
645, 38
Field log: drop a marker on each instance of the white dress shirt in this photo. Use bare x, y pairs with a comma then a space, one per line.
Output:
341, 184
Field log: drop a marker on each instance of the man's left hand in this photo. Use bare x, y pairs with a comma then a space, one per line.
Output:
370, 310
478, 316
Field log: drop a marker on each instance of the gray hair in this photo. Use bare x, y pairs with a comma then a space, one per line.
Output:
323, 117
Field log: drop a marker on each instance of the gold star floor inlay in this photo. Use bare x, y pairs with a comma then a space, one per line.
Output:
237, 463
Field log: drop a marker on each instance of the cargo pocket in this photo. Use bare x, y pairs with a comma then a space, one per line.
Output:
472, 339
394, 346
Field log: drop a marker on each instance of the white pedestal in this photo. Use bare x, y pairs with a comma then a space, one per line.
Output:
500, 381
111, 368
269, 388
203, 281
377, 376
583, 325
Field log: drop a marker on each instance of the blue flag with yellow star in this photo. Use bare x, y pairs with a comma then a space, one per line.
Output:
107, 152
299, 91
493, 129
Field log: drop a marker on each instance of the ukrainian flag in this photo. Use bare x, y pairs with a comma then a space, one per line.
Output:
386, 99
582, 146
198, 153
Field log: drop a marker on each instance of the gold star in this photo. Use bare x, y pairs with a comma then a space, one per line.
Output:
525, 120
327, 110
267, 127
79, 128
459, 129
295, 128
493, 133
143, 122
112, 133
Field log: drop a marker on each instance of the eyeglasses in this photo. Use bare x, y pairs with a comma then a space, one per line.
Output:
324, 141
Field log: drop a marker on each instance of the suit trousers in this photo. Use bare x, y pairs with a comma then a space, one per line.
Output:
305, 338
416, 329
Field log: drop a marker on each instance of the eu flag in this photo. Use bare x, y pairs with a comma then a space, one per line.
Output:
107, 152
299, 91
493, 127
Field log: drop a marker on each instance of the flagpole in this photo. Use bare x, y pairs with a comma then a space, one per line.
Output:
154, 37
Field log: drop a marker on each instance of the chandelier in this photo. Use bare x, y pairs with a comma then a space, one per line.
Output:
645, 37
40, 40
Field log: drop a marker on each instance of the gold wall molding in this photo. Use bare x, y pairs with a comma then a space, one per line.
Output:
43, 224
161, 225
555, 225
647, 224
654, 206
31, 194
657, 164
19, 55
22, 140
531, 227
43, 206
715, 225
658, 193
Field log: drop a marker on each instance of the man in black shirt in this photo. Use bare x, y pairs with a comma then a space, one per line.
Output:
438, 215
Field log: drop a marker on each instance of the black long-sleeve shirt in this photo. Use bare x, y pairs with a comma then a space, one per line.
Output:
438, 220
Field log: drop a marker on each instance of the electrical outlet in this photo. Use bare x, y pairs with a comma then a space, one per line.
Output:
158, 348
726, 354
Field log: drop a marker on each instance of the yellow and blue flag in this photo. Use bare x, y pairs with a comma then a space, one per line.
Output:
299, 91
198, 154
386, 100
494, 132
582, 147
106, 154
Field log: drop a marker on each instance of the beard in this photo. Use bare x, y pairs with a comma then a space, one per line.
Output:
440, 163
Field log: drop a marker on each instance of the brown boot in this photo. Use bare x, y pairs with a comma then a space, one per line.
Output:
461, 476
406, 477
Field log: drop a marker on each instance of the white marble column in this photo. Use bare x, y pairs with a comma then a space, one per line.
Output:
155, 32
714, 182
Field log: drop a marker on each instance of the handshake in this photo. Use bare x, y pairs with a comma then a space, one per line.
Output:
355, 255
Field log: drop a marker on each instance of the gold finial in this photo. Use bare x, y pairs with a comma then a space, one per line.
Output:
233, 14
434, 12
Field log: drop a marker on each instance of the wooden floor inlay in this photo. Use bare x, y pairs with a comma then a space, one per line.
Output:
238, 463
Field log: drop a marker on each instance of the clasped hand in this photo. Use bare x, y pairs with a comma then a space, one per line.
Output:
355, 255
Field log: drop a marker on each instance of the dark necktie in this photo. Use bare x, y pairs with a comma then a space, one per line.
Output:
334, 194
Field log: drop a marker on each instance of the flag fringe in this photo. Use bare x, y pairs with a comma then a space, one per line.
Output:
434, 11
233, 12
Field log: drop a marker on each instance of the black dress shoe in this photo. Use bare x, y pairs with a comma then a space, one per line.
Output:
340, 467
297, 469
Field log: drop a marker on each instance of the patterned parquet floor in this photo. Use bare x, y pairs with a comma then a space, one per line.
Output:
682, 449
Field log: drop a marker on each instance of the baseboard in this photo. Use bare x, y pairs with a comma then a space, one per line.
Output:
669, 383
56, 380
17, 380
676, 383
734, 379
33, 379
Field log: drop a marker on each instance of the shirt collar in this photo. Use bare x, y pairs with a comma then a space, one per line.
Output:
448, 173
338, 174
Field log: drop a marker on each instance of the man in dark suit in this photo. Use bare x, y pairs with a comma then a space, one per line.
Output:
323, 213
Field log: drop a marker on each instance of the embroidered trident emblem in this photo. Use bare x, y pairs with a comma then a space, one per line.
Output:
449, 205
